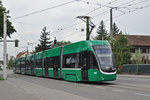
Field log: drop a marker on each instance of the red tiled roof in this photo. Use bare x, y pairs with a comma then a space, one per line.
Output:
139, 40
20, 54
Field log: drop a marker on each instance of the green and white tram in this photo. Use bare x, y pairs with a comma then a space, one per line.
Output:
80, 61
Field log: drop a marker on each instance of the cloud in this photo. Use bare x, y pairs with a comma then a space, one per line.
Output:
30, 29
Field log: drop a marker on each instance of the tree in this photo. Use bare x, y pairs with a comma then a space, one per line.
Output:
121, 50
137, 58
45, 42
10, 28
61, 43
101, 32
115, 29
10, 62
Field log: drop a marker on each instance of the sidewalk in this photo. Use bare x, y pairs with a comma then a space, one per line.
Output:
8, 72
17, 89
10, 92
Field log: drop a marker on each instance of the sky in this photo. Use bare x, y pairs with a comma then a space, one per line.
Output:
61, 22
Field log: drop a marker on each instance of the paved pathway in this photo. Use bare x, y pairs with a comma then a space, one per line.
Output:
17, 89
24, 87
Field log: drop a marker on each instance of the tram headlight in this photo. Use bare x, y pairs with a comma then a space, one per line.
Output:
107, 67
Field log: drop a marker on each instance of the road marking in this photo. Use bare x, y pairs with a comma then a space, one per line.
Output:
130, 87
100, 87
143, 94
117, 90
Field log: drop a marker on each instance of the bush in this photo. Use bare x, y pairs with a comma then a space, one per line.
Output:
1, 78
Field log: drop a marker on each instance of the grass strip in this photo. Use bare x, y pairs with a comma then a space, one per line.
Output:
1, 78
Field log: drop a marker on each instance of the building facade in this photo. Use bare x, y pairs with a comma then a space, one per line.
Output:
142, 44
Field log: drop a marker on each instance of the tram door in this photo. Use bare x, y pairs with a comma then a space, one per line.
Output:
46, 67
55, 71
84, 67
46, 71
56, 65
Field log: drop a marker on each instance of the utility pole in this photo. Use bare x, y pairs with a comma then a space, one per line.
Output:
27, 50
45, 48
5, 46
88, 25
111, 21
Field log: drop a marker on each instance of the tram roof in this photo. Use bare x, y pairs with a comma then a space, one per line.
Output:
52, 52
39, 55
68, 49
82, 46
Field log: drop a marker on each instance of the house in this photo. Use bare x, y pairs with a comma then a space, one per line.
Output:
141, 43
22, 54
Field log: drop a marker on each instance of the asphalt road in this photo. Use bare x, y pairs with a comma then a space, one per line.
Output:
126, 87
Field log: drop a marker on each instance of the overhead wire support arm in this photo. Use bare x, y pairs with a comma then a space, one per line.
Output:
88, 22
9, 40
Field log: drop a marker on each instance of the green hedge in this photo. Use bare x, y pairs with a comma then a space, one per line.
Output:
1, 78
136, 68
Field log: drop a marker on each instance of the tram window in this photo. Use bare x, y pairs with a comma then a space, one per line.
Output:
84, 59
20, 63
80, 60
26, 63
29, 64
23, 64
51, 60
70, 61
38, 63
46, 63
32, 64
93, 62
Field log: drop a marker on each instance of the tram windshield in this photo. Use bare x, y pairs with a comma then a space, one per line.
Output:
105, 57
